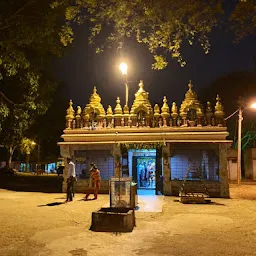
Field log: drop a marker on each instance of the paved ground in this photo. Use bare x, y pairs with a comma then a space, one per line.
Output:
29, 227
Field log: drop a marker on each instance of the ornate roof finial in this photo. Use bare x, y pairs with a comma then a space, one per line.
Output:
190, 85
70, 111
78, 112
141, 84
70, 115
118, 108
219, 112
126, 110
174, 108
94, 104
218, 106
190, 101
141, 101
165, 108
109, 110
156, 110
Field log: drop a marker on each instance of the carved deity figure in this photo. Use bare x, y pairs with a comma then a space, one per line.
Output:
130, 122
122, 122
160, 122
104, 123
164, 122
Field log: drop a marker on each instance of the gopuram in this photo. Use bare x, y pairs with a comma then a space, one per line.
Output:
155, 145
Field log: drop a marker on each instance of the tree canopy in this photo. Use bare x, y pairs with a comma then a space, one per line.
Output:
162, 25
29, 37
29, 40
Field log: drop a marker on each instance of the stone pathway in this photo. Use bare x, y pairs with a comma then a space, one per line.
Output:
150, 203
33, 224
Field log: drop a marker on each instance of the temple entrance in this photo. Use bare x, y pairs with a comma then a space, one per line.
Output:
146, 172
145, 168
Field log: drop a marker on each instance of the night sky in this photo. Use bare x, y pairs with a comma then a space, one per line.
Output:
81, 69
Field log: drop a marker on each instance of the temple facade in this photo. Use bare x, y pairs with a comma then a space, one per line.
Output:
158, 146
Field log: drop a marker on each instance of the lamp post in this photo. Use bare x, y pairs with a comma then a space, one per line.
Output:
124, 67
239, 145
239, 139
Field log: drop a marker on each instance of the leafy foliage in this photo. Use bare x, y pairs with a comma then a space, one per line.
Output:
162, 25
243, 19
31, 101
29, 37
27, 146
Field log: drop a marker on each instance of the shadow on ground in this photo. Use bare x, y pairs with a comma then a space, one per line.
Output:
208, 202
51, 204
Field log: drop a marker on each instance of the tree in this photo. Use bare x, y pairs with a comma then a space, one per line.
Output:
162, 25
31, 102
29, 40
29, 37
48, 128
27, 146
243, 19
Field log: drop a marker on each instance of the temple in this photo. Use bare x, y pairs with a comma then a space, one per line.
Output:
158, 146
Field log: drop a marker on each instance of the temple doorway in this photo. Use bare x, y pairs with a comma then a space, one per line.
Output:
145, 168
146, 172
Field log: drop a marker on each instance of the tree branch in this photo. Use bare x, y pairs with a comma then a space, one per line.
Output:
10, 17
8, 100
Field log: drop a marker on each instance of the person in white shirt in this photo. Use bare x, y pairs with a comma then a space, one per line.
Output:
71, 177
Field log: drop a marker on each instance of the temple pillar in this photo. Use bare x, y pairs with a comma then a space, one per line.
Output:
167, 187
223, 170
116, 152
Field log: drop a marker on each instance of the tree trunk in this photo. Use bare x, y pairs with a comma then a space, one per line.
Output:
10, 154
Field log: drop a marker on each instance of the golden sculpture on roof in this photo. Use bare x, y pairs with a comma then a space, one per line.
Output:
190, 102
165, 110
218, 107
94, 105
70, 114
118, 108
156, 110
142, 114
141, 101
126, 110
70, 111
219, 112
109, 110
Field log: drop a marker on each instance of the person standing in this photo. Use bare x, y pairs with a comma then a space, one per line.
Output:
71, 177
94, 182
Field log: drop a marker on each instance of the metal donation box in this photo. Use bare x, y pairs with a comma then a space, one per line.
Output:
123, 192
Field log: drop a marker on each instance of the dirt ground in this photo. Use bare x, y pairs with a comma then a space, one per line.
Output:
29, 227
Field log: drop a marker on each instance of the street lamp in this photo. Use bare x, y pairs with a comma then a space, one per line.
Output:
124, 67
239, 138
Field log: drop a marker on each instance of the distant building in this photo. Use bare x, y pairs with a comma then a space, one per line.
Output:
156, 145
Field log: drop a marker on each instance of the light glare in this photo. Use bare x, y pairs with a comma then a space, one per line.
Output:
253, 105
123, 67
